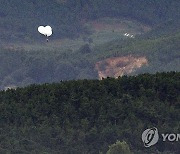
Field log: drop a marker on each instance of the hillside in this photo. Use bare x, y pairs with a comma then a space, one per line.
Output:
157, 51
19, 19
160, 53
88, 40
109, 71
86, 116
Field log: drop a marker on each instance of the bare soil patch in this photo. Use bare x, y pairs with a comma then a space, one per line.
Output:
119, 66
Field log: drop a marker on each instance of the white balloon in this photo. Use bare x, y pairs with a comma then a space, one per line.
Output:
41, 29
47, 31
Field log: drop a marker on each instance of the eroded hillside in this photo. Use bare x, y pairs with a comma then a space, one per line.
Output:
118, 66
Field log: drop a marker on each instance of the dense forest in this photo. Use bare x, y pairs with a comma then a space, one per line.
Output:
87, 116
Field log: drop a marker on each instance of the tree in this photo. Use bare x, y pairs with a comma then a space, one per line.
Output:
119, 148
85, 49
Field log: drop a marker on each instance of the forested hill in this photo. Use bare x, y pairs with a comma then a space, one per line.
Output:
19, 19
87, 116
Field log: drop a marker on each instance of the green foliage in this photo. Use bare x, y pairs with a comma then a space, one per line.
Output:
87, 116
119, 148
21, 68
85, 49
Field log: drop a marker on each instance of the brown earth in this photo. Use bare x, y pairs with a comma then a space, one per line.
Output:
119, 66
121, 26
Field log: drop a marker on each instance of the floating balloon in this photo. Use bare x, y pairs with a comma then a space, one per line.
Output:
47, 31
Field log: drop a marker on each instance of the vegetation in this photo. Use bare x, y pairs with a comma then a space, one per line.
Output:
21, 67
87, 116
66, 16
119, 148
161, 51
41, 63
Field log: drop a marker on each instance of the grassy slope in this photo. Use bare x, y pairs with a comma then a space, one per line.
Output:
161, 47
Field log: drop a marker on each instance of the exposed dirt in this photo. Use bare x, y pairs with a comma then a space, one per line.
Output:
118, 66
98, 26
120, 25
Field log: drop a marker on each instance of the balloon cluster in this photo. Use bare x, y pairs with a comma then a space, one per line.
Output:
46, 31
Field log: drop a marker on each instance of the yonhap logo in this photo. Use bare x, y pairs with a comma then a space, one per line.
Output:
150, 137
